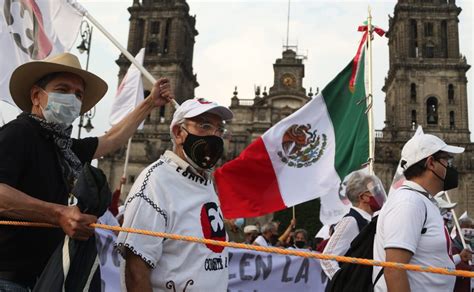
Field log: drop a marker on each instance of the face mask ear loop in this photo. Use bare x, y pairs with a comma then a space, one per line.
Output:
442, 179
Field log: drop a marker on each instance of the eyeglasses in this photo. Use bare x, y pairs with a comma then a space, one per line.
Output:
449, 160
210, 129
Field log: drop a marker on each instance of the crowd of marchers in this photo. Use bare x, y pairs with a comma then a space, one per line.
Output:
41, 166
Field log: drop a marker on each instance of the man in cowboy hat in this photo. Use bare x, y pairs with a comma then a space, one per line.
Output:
39, 160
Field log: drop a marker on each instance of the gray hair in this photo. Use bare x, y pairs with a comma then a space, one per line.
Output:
302, 231
268, 227
357, 184
173, 138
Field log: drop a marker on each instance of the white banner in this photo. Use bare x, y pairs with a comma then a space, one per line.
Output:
34, 30
109, 258
257, 272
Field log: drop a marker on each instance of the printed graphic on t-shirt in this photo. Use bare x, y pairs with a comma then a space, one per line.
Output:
212, 224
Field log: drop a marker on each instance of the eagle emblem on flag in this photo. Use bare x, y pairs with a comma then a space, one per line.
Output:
301, 147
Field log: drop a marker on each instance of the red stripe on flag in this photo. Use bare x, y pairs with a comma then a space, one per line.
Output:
247, 186
355, 66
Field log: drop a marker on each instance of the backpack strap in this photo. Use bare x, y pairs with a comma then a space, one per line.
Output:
423, 230
361, 222
379, 275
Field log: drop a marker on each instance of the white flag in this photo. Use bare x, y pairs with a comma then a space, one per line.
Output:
130, 92
399, 178
34, 30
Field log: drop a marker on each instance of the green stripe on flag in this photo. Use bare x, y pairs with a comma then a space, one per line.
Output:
347, 112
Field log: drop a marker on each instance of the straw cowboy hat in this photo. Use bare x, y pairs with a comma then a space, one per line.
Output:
26, 75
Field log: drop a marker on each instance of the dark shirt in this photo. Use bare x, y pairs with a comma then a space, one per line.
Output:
29, 162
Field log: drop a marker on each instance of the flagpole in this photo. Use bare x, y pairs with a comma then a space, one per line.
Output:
125, 166
370, 113
124, 51
456, 222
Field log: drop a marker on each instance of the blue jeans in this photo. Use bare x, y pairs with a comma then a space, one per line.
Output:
8, 286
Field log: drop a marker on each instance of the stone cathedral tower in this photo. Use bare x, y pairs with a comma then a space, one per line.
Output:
167, 32
426, 85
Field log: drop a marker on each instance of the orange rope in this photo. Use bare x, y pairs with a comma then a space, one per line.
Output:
416, 268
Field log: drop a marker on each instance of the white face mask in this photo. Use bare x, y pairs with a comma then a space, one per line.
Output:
62, 108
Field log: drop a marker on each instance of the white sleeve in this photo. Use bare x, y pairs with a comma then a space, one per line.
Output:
260, 241
141, 212
402, 225
108, 219
339, 243
456, 259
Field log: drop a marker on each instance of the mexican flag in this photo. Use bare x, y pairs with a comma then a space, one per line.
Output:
304, 156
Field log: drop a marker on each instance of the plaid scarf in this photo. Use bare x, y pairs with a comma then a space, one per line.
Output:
71, 166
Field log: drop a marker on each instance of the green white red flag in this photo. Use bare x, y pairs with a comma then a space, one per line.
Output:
304, 156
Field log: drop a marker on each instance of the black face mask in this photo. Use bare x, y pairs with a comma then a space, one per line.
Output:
204, 151
300, 243
450, 179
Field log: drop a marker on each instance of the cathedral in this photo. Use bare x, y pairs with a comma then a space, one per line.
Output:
426, 85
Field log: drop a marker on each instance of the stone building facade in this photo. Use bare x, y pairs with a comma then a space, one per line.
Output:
254, 116
167, 32
425, 85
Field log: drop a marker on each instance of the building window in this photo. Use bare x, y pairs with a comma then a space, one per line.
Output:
413, 117
152, 48
131, 179
162, 114
167, 36
155, 27
429, 50
451, 120
432, 111
429, 29
138, 41
413, 53
451, 93
413, 92
444, 39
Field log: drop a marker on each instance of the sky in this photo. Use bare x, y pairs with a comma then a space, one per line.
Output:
239, 41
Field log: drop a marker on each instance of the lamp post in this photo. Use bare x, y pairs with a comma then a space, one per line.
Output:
85, 46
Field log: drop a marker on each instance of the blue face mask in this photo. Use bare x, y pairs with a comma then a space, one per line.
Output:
61, 108
239, 222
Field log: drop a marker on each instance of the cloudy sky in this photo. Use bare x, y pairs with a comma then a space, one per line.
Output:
239, 41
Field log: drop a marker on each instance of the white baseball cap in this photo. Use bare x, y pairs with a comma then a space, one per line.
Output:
250, 228
194, 107
422, 146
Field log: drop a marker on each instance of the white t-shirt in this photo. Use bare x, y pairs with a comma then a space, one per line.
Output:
400, 224
170, 198
260, 240
340, 242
